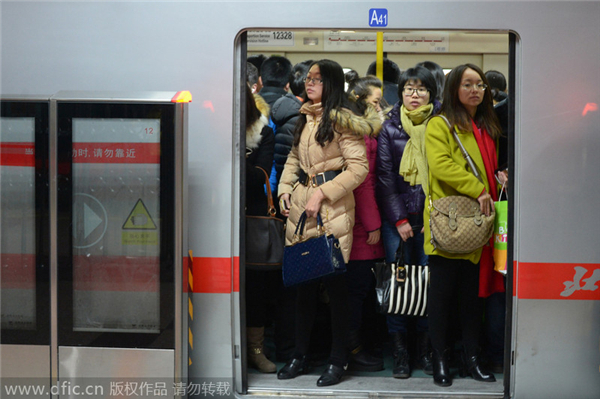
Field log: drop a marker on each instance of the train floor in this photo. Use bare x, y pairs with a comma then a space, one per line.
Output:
370, 384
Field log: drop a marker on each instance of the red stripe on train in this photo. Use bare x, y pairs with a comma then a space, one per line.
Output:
578, 281
216, 275
17, 154
18, 271
116, 153
575, 281
121, 273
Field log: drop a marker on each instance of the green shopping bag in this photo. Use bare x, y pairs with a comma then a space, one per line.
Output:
500, 236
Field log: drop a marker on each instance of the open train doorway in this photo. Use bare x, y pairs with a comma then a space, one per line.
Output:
356, 50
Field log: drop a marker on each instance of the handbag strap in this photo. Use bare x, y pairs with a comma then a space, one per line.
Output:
400, 250
302, 221
463, 150
272, 210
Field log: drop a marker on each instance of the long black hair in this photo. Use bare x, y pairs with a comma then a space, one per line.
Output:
299, 72
332, 98
457, 114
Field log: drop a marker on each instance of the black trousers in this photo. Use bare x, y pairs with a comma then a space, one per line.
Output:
258, 284
306, 308
454, 281
361, 281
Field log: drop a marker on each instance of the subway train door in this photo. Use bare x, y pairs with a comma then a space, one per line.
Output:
25, 241
111, 215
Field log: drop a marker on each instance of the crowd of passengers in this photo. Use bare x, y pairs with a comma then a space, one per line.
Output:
379, 148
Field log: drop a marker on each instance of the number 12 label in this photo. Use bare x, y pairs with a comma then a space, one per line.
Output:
378, 17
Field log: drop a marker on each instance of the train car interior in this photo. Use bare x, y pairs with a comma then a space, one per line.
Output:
356, 50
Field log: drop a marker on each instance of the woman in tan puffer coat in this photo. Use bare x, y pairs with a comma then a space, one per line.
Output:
327, 162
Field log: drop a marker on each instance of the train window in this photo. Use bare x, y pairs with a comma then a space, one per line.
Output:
356, 50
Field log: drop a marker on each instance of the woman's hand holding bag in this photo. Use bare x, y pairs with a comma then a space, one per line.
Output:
401, 288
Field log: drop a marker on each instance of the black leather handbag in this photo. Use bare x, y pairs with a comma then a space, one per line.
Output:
310, 259
265, 238
401, 288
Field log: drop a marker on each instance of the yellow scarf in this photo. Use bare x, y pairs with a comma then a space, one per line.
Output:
413, 166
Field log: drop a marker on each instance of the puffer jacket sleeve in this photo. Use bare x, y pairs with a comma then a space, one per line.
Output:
284, 139
367, 211
284, 113
442, 166
290, 174
352, 147
388, 191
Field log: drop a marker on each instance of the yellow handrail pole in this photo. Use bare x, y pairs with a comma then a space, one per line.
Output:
379, 68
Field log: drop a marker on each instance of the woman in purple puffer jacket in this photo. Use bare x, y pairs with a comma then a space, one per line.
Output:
401, 168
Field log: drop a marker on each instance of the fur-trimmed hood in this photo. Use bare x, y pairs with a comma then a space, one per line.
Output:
367, 125
253, 132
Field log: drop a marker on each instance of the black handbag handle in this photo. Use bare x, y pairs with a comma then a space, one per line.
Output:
400, 250
302, 222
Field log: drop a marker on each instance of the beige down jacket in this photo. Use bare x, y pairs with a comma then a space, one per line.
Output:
346, 152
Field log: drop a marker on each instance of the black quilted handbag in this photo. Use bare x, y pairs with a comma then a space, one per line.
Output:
310, 259
400, 288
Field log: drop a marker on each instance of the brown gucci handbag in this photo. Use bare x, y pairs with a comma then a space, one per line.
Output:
456, 222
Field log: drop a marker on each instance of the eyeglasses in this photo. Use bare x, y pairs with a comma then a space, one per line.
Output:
315, 81
478, 87
409, 91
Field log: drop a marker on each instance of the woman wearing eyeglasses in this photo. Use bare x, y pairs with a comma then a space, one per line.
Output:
327, 162
469, 109
401, 170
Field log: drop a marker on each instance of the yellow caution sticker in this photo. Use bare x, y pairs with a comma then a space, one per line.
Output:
139, 227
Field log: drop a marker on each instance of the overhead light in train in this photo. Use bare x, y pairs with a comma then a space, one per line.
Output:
589, 107
311, 41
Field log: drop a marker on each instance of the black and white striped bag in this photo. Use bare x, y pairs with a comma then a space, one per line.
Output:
400, 288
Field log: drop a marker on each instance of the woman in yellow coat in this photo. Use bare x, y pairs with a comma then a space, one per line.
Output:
469, 108
327, 162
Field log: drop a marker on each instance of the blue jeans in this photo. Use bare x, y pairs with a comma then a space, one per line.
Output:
413, 254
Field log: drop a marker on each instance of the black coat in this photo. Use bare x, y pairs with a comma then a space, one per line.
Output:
285, 113
501, 109
390, 92
271, 94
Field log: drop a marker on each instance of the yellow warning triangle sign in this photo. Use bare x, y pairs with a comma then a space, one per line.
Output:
139, 218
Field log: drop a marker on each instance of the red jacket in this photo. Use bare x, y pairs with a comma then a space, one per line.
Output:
367, 213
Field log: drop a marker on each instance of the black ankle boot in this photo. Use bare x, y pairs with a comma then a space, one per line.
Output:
400, 354
472, 367
424, 347
361, 359
294, 368
441, 371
